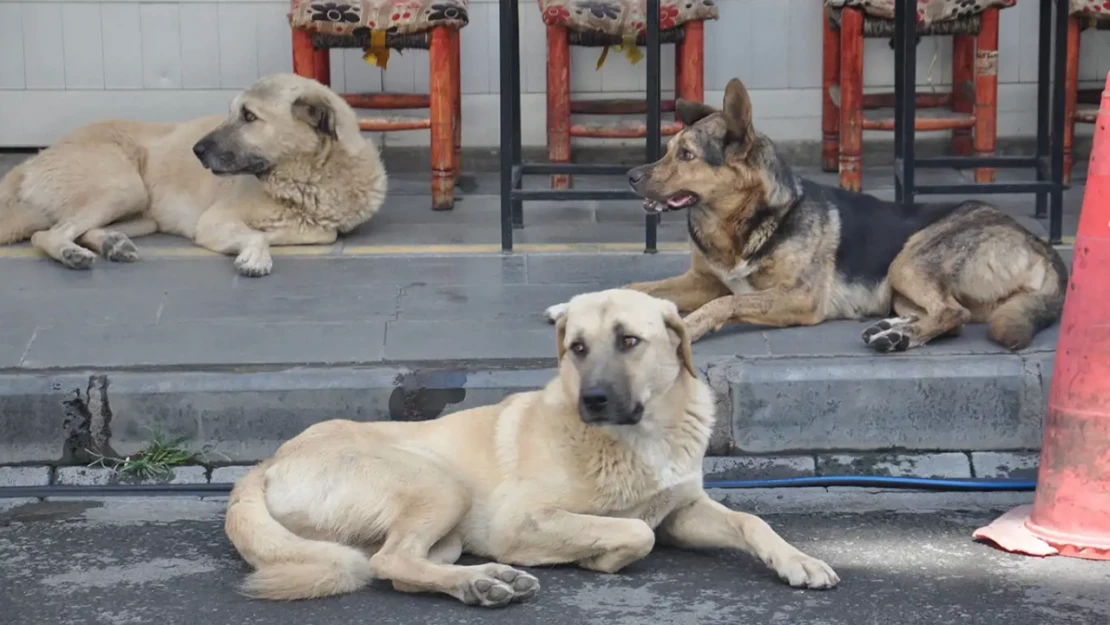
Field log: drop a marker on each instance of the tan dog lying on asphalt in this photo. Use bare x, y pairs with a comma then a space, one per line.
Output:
589, 470
287, 166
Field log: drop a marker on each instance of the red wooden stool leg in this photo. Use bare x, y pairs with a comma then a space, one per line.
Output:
304, 55
442, 110
830, 115
963, 89
1071, 95
558, 102
456, 88
986, 92
690, 63
851, 99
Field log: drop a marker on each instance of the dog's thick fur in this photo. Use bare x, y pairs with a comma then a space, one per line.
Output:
287, 166
771, 248
589, 471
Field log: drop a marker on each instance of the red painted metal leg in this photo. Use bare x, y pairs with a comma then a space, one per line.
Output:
558, 102
830, 114
456, 88
986, 92
323, 66
963, 89
851, 99
304, 55
442, 112
1071, 95
690, 63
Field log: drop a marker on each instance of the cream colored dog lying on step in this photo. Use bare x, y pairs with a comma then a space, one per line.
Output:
590, 470
286, 166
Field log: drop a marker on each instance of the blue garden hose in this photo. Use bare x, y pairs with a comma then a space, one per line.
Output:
925, 483
216, 490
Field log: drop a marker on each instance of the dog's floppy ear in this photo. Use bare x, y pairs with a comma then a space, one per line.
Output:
316, 111
561, 336
675, 324
738, 110
689, 112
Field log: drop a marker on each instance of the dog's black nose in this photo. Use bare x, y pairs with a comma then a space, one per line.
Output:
635, 175
595, 398
200, 148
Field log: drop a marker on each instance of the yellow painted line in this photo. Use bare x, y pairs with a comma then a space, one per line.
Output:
333, 251
320, 251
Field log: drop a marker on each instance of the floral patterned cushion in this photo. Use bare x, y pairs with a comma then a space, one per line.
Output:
1099, 9
392, 16
928, 11
623, 17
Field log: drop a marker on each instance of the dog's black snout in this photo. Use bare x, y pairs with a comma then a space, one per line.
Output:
595, 398
636, 175
200, 148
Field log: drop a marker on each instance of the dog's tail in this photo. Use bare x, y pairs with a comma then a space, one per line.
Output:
287, 566
1017, 320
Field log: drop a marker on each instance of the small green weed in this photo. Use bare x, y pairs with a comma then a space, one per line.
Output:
154, 461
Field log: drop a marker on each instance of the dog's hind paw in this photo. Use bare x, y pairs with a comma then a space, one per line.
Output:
888, 335
552, 313
802, 571
118, 248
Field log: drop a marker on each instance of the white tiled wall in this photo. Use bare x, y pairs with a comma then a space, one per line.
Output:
67, 62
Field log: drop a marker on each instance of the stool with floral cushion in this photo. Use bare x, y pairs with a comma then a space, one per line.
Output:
1083, 14
378, 26
973, 25
617, 23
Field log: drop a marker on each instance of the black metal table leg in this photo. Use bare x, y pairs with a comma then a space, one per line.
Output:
518, 153
510, 106
1044, 81
654, 114
905, 62
1056, 205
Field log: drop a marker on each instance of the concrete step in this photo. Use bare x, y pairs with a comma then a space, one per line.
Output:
102, 359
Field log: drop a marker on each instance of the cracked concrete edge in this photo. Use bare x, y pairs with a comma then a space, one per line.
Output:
765, 408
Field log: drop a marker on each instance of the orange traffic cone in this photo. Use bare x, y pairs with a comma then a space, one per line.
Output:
1070, 514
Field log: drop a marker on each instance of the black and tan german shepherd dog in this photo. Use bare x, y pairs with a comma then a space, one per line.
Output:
771, 248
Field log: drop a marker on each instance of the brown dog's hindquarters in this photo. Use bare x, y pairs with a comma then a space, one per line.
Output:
976, 266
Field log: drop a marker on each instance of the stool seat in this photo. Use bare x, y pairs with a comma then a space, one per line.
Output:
1097, 9
398, 17
928, 11
622, 18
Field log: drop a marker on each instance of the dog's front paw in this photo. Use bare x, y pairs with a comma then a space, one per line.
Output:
254, 262
802, 571
698, 325
552, 313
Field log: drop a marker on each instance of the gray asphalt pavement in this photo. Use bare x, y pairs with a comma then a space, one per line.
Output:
167, 562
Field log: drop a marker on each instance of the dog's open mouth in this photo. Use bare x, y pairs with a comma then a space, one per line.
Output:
677, 201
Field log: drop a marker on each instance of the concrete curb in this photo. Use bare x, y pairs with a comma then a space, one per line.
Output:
827, 406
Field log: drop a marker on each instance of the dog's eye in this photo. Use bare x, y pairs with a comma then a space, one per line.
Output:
248, 116
628, 342
685, 155
579, 348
